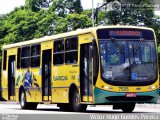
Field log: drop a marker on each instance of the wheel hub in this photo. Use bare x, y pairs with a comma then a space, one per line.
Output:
22, 99
77, 102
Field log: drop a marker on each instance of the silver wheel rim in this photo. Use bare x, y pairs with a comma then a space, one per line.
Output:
22, 99
77, 100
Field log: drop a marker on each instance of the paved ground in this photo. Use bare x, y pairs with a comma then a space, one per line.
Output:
12, 111
14, 108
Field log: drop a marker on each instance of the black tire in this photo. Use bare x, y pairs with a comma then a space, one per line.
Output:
24, 104
128, 108
74, 102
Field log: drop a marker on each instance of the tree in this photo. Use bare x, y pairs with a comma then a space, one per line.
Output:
72, 22
24, 24
37, 5
130, 15
63, 7
46, 24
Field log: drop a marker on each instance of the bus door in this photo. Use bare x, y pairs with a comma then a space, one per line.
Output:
86, 72
46, 75
11, 77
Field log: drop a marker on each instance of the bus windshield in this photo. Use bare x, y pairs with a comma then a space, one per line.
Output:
128, 59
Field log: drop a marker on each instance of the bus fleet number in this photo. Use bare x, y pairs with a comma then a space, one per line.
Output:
123, 89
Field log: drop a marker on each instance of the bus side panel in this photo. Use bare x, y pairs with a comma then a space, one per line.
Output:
4, 85
62, 80
4, 78
18, 83
86, 92
85, 38
36, 84
33, 93
63, 76
10, 52
60, 84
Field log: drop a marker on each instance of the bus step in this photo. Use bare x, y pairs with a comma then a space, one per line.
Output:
89, 103
47, 102
92, 105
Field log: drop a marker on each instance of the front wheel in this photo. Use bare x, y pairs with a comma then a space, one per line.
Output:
22, 99
128, 108
24, 104
75, 104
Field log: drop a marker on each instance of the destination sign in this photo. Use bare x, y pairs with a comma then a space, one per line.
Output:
125, 33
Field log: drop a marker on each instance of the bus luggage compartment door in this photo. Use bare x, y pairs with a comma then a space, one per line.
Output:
46, 75
86, 72
11, 78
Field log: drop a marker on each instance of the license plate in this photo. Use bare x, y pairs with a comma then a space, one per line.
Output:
130, 94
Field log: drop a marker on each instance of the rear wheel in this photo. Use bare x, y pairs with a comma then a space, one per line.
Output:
24, 104
74, 104
128, 108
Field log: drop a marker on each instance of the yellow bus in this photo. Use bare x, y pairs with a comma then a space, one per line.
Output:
109, 65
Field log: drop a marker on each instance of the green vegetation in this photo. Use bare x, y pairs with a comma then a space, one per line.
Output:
38, 18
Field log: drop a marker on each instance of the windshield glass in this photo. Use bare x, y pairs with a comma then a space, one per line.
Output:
125, 64
127, 55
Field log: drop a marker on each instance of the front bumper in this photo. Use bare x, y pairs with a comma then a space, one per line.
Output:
106, 97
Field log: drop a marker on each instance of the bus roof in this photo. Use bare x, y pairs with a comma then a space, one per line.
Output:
67, 34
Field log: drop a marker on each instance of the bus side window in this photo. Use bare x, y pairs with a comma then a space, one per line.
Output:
4, 59
25, 57
19, 58
58, 55
35, 55
71, 50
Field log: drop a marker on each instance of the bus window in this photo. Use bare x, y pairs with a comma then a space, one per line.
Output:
127, 55
59, 46
25, 57
58, 56
146, 53
19, 58
71, 43
71, 50
35, 55
4, 59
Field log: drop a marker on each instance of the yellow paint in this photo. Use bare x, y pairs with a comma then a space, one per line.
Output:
11, 51
85, 38
101, 84
5, 93
90, 98
87, 98
16, 96
47, 45
12, 97
36, 93
60, 95
4, 78
45, 98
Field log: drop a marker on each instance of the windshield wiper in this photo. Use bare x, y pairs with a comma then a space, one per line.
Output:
118, 47
137, 47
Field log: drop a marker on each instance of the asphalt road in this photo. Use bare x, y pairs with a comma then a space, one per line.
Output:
12, 111
14, 108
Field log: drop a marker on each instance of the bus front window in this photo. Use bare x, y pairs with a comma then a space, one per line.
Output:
114, 61
123, 60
